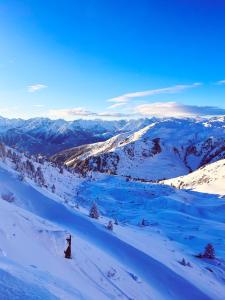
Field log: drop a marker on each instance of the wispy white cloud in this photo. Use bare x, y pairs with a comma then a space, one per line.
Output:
70, 112
115, 105
158, 109
221, 82
36, 87
123, 99
79, 112
173, 109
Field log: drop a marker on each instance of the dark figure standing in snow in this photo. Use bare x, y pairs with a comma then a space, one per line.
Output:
68, 249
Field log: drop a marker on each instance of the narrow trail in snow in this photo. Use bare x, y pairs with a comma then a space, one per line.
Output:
169, 284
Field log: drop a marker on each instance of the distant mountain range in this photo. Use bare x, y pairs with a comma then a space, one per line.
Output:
45, 136
145, 149
165, 148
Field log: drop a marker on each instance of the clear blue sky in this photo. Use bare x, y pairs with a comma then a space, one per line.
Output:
67, 58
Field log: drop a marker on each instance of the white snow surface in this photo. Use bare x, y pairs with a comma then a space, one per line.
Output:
207, 179
132, 262
164, 149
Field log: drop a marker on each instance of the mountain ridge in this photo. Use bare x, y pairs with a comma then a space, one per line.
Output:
164, 149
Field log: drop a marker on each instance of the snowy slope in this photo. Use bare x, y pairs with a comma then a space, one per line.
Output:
32, 253
132, 262
208, 179
103, 266
163, 149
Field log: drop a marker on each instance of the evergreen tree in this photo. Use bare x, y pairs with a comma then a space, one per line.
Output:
116, 222
21, 177
67, 252
110, 226
39, 177
53, 188
209, 252
144, 222
94, 213
2, 151
9, 153
30, 169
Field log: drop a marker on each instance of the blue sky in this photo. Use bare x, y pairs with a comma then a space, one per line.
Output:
114, 58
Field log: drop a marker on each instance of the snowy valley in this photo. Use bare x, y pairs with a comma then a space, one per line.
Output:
158, 227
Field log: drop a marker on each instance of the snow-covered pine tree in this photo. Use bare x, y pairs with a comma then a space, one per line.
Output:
30, 169
110, 226
39, 177
15, 157
209, 251
94, 213
67, 252
53, 188
21, 177
9, 153
2, 151
183, 262
144, 222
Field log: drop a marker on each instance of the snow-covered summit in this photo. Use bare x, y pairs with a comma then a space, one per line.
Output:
163, 149
42, 135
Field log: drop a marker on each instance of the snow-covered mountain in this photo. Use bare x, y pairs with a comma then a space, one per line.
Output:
208, 179
150, 259
42, 135
166, 148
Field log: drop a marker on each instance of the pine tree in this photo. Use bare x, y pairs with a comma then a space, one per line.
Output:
39, 177
2, 151
94, 213
53, 188
15, 157
209, 252
183, 262
30, 169
21, 177
144, 222
9, 153
110, 226
67, 252
116, 222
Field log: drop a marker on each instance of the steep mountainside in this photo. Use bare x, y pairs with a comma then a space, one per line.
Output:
163, 149
207, 179
47, 136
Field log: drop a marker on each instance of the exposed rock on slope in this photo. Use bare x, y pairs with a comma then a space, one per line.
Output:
45, 136
164, 149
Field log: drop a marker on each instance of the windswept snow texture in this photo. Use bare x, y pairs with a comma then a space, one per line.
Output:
208, 179
164, 149
132, 262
